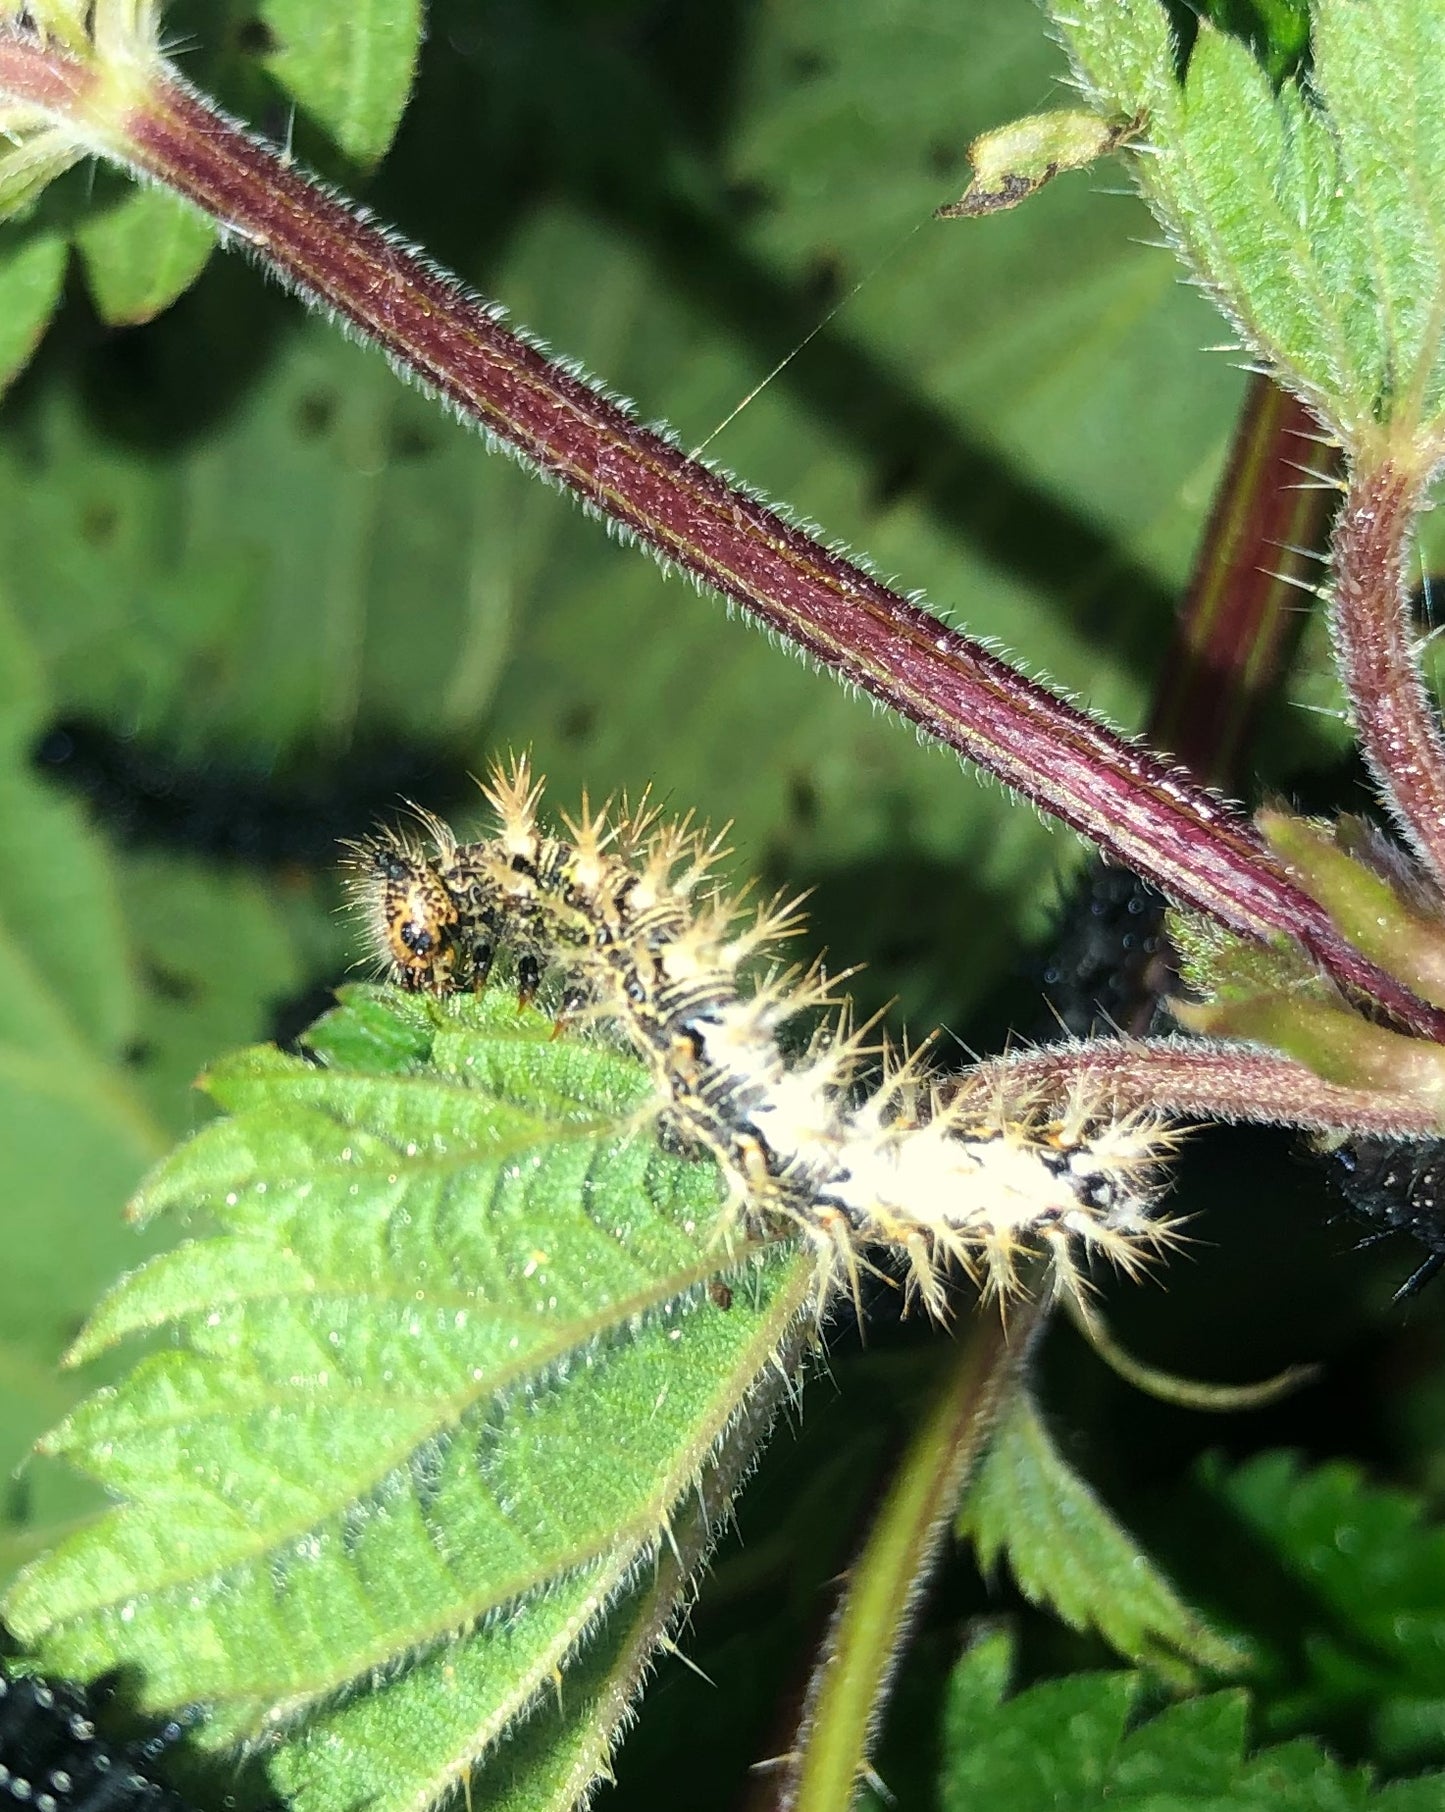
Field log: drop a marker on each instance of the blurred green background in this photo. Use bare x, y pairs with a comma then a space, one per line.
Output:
252, 588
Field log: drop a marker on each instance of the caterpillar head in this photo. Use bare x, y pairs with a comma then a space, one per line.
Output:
412, 918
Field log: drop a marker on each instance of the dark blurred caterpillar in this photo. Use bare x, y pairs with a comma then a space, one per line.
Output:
146, 794
1109, 968
1399, 1186
53, 1759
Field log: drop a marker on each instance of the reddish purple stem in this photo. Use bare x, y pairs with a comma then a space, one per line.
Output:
1151, 817
1198, 1079
1396, 721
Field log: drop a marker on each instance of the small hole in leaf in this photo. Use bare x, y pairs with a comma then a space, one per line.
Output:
578, 722
255, 38
315, 414
98, 523
410, 442
823, 280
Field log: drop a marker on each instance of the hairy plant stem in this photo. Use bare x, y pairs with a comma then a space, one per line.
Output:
1265, 539
1397, 725
1267, 535
850, 1681
1147, 814
1200, 1080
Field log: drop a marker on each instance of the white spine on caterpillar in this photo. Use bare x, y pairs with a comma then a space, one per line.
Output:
626, 910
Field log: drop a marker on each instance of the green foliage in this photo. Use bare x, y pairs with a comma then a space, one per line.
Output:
1271, 995
32, 270
28, 169
234, 542
410, 1744
1278, 31
1008, 1751
347, 70
257, 583
233, 539
1219, 966
142, 253
1067, 1552
76, 1131
1314, 213
1344, 1609
448, 1367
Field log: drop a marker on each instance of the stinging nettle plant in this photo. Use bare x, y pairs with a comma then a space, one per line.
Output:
496, 1303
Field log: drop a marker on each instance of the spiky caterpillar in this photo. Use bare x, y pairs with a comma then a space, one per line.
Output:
627, 910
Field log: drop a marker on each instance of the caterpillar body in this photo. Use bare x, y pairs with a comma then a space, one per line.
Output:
1399, 1185
626, 909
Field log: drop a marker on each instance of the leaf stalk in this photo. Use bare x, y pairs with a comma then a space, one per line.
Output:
850, 1682
1199, 1079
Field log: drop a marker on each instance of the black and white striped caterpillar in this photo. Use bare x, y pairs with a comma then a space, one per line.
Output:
626, 909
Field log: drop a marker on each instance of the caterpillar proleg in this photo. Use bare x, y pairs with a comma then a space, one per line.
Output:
626, 910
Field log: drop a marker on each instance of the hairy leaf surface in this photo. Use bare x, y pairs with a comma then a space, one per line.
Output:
1066, 1551
448, 1364
1316, 213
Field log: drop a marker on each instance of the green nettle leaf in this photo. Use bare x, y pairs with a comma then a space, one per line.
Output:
1317, 213
1220, 966
32, 271
449, 1380
1267, 994
1077, 1742
143, 253
1067, 1552
1349, 1630
75, 1131
349, 67
1278, 31
405, 1746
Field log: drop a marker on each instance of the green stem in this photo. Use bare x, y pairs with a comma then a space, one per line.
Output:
850, 1683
